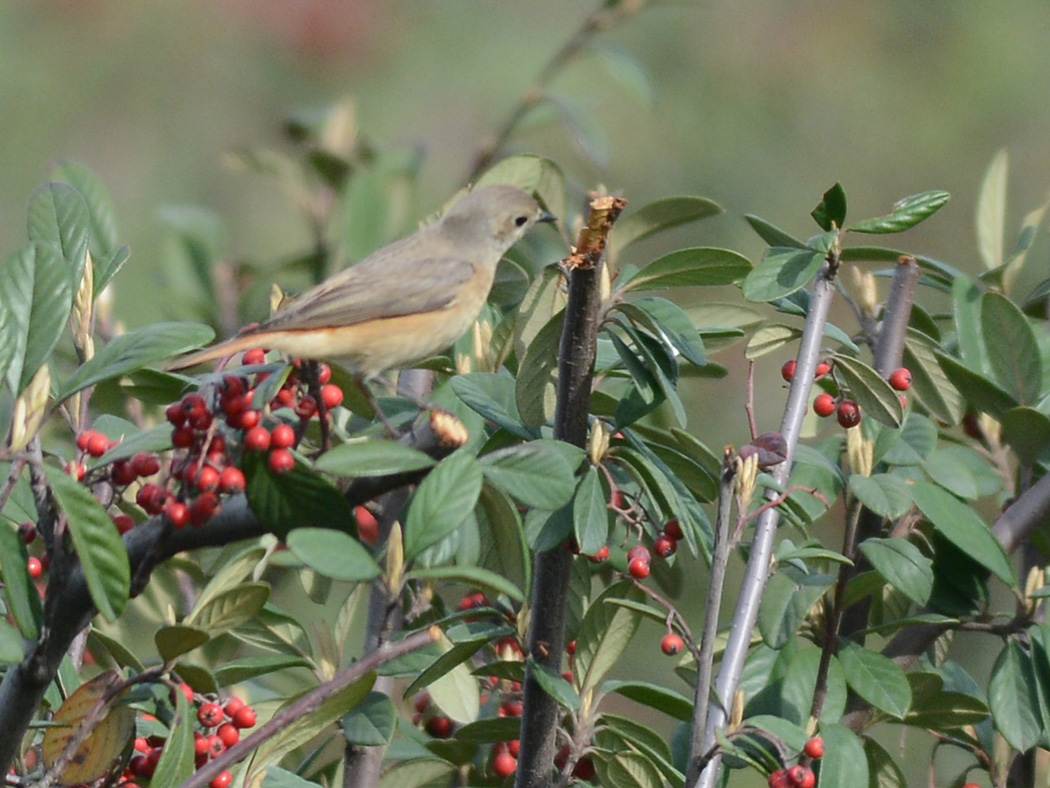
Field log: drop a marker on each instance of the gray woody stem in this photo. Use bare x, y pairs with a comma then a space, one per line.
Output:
757, 573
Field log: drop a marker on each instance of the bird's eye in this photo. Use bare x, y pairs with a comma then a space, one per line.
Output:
520, 221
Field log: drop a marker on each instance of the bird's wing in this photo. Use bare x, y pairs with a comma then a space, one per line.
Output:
380, 287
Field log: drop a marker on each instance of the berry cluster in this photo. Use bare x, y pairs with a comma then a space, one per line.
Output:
221, 727
847, 410
799, 775
639, 559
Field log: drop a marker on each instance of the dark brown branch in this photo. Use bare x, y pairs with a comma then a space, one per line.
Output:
552, 569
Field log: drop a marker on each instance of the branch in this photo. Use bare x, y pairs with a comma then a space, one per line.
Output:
552, 569
310, 703
152, 542
757, 572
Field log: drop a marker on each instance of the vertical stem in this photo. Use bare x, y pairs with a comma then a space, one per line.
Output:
755, 577
719, 560
552, 569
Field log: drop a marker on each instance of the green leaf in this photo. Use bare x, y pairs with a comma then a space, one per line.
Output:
456, 693
417, 773
665, 319
492, 396
628, 769
966, 301
240, 670
991, 211
372, 458
20, 595
12, 650
555, 685
980, 391
174, 640
372, 723
604, 635
964, 528
229, 609
503, 548
902, 565
276, 777
830, 212
1027, 431
621, 64
36, 296
936, 709
929, 383
533, 473
799, 682
1012, 348
772, 234
1012, 698
696, 267
488, 730
874, 395
536, 391
910, 445
474, 576
877, 679
885, 494
590, 513
136, 349
301, 730
782, 271
657, 217
652, 695
442, 502
58, 216
98, 544
286, 501
884, 771
104, 236
176, 761
333, 554
906, 213
844, 762
789, 597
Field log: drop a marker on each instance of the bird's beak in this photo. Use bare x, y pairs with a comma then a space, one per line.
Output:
547, 216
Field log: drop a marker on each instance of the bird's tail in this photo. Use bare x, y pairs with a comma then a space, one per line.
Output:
227, 348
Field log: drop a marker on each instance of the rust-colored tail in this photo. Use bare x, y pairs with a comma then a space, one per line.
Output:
227, 348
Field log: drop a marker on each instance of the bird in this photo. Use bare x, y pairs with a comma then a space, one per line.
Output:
404, 302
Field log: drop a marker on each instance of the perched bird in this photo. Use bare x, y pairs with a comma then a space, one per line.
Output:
404, 302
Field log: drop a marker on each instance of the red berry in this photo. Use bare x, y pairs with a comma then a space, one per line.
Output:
674, 529
36, 569
324, 373
901, 379
283, 437
257, 439
187, 691
97, 444
331, 396
423, 701
27, 532
620, 500
201, 745
787, 372
183, 437
514, 747
84, 438
232, 480
229, 733
584, 769
216, 746
208, 479
815, 748
367, 525
504, 764
601, 555
571, 649
150, 497
849, 413
824, 405
823, 368
281, 461
123, 473
145, 464
439, 727
638, 551
511, 708
175, 414
232, 706
249, 419
285, 397
256, 356
223, 780
178, 514
210, 715
779, 779
665, 546
639, 568
77, 470
245, 717
306, 407
672, 644
797, 774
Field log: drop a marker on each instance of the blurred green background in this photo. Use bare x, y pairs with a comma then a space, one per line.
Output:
758, 105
